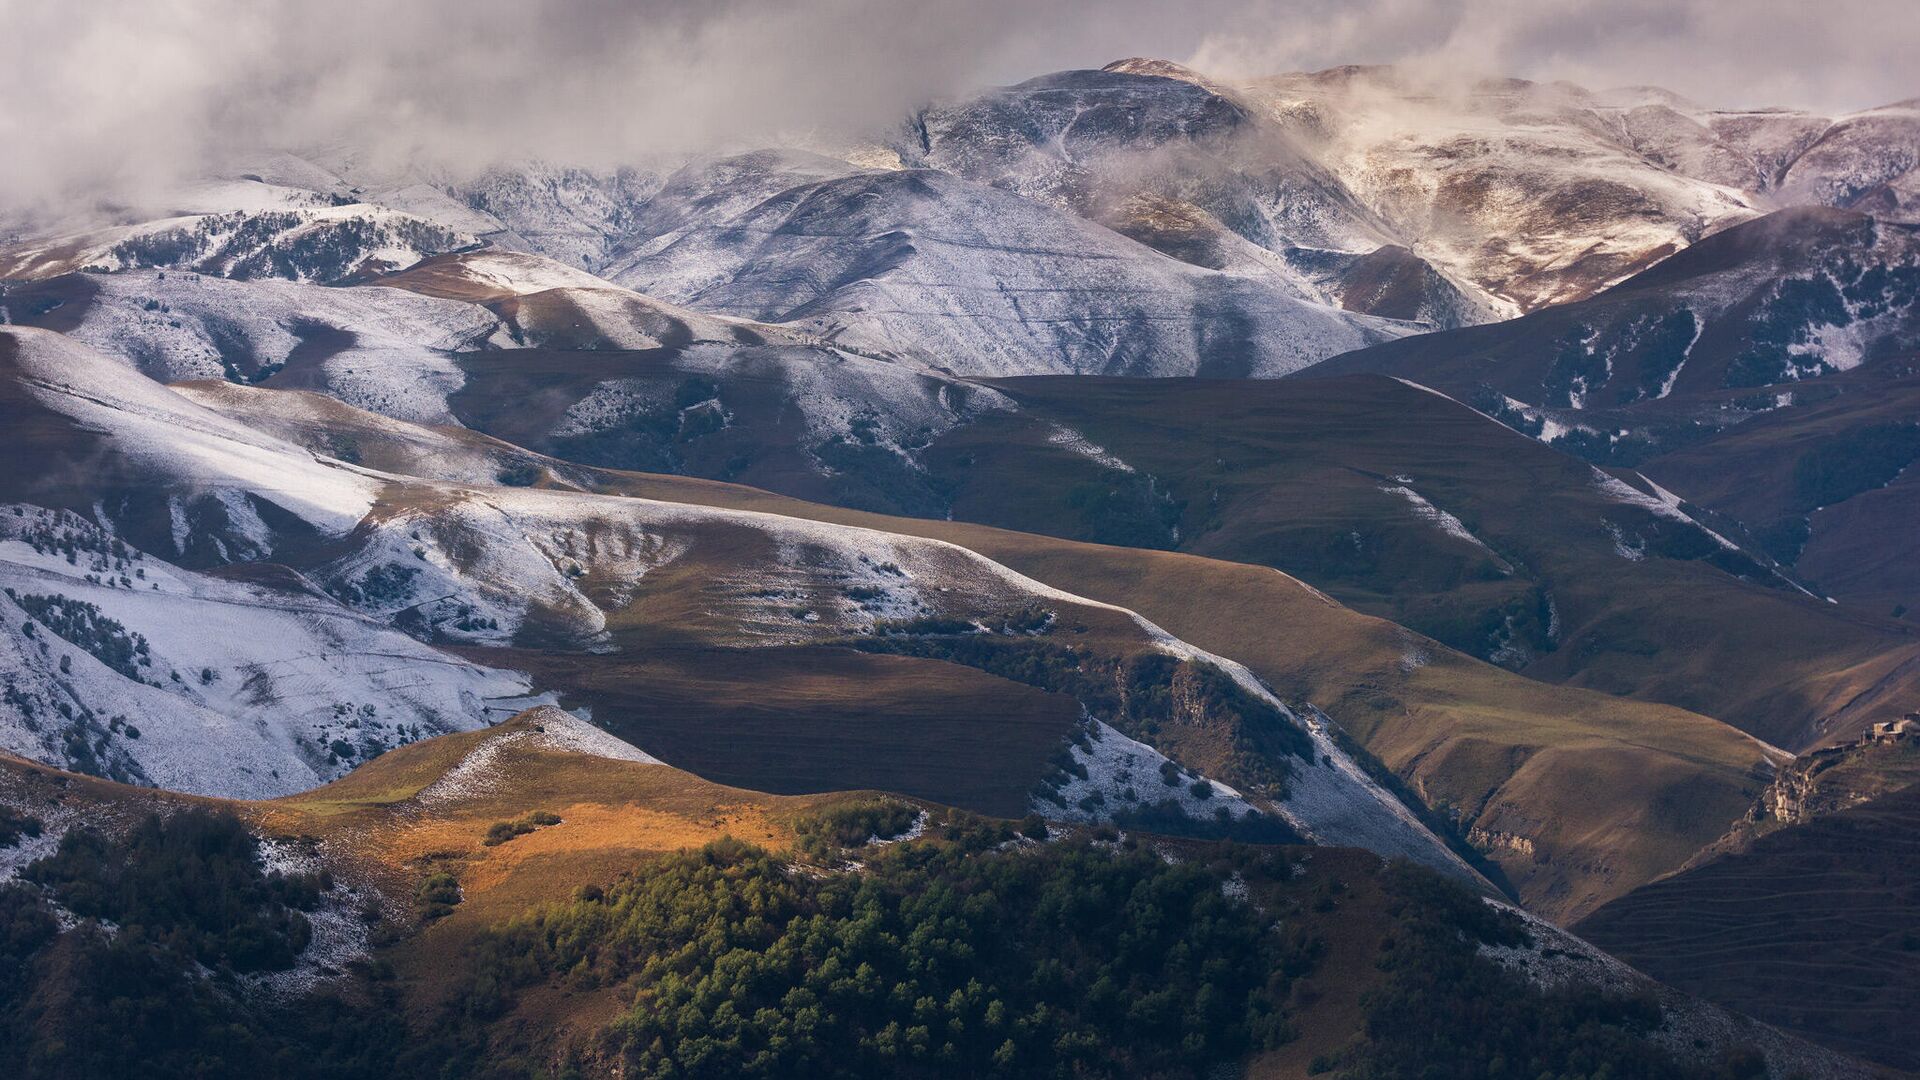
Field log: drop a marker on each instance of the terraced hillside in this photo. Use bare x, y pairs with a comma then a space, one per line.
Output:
1810, 928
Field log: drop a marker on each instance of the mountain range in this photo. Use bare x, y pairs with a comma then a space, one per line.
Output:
1509, 481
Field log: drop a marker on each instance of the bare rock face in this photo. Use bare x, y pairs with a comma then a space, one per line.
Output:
1837, 778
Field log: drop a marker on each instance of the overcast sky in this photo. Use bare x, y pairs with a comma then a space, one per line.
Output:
98, 97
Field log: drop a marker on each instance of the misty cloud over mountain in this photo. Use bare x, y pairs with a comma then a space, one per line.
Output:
112, 100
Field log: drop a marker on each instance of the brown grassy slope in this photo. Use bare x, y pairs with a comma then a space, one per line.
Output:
378, 830
385, 826
614, 816
1859, 549
1812, 929
1580, 796
801, 720
1295, 474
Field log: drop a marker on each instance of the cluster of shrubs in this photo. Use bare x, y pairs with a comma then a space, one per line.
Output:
15, 827
245, 246
519, 474
1782, 328
502, 831
55, 536
651, 436
1167, 817
103, 637
194, 881
1839, 468
139, 977
824, 833
437, 895
1126, 509
388, 583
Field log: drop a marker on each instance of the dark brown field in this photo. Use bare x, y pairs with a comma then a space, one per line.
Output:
797, 721
1813, 929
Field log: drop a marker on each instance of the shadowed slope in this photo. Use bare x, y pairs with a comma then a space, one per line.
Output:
1811, 928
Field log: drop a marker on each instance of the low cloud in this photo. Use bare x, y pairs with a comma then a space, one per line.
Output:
107, 100
1834, 56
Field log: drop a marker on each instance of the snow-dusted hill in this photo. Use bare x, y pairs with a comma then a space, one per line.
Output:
1766, 373
1511, 192
1867, 161
1536, 193
328, 244
1183, 165
117, 662
1712, 336
924, 264
622, 379
1140, 219
383, 349
1548, 192
362, 555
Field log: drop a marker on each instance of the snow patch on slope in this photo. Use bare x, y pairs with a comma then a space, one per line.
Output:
1620, 491
175, 439
1075, 443
1438, 518
220, 687
1124, 774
